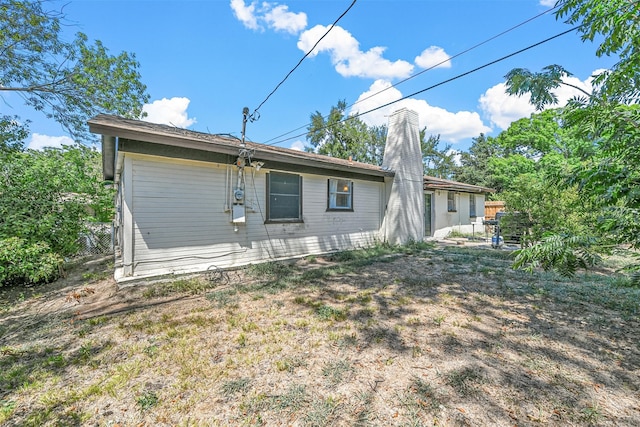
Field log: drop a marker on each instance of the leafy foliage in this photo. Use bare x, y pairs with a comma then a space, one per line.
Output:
539, 86
342, 137
12, 134
549, 208
45, 195
45, 198
474, 163
605, 174
564, 253
67, 81
616, 25
438, 162
23, 262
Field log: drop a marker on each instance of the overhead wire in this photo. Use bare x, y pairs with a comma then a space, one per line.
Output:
431, 67
359, 114
253, 115
454, 56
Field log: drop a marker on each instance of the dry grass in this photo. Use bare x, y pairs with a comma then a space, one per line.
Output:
424, 336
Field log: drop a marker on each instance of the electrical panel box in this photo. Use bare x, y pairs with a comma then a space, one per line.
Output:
238, 214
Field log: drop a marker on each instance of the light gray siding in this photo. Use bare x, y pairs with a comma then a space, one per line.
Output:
445, 221
180, 224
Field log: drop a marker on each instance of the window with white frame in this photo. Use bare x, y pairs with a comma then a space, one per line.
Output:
340, 195
284, 197
472, 205
451, 201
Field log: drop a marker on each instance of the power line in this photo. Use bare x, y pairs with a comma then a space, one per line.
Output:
253, 115
468, 72
431, 67
455, 56
445, 81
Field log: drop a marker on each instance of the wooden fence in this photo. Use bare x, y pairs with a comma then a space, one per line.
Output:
491, 208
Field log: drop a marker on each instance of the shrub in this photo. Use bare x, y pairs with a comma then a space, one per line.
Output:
27, 263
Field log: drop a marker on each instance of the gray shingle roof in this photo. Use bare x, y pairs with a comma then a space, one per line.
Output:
433, 183
167, 135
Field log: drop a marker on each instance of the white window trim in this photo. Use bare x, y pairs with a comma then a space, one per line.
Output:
333, 191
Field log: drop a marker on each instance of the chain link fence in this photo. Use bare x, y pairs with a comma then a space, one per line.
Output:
97, 239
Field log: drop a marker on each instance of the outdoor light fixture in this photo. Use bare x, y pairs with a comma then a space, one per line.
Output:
257, 165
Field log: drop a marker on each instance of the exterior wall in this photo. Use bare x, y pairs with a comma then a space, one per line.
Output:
179, 222
445, 222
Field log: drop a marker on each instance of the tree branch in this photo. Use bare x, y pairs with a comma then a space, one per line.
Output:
576, 87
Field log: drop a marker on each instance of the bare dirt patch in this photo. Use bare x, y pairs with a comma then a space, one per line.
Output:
429, 336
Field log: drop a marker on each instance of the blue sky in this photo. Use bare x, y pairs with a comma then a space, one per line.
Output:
204, 60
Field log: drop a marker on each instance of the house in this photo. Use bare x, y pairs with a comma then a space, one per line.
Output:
189, 201
453, 206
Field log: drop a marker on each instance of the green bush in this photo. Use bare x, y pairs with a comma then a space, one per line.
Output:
27, 263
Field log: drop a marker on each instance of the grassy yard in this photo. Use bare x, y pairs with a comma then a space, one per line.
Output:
425, 335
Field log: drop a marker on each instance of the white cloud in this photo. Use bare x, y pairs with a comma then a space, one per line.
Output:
38, 141
169, 112
298, 145
433, 57
347, 57
457, 158
274, 16
245, 14
503, 109
280, 19
452, 127
548, 3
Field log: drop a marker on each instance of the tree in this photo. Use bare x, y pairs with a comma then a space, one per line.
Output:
504, 171
437, 162
539, 85
343, 137
497, 162
611, 177
617, 24
12, 134
529, 164
609, 118
45, 196
474, 163
67, 81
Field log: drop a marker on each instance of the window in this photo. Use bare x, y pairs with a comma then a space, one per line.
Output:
472, 205
451, 201
284, 197
340, 195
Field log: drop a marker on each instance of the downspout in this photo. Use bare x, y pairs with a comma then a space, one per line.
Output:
459, 213
108, 157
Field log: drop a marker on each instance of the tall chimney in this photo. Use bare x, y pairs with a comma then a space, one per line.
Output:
404, 217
